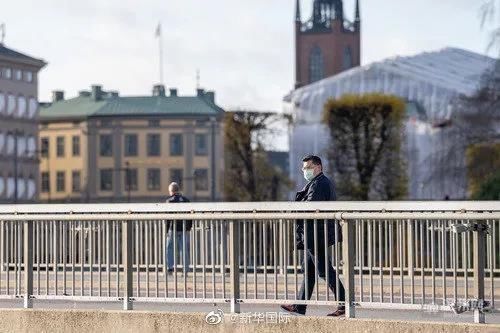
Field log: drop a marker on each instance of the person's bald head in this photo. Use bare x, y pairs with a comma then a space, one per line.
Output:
173, 188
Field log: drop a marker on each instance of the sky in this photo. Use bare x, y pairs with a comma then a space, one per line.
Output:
243, 49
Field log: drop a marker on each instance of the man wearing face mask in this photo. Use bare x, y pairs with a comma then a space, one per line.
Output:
318, 188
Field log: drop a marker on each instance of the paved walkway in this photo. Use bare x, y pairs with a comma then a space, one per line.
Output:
418, 315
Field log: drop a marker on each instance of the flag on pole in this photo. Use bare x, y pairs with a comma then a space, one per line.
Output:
2, 35
158, 30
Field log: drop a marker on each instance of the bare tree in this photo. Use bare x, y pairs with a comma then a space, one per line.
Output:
249, 176
490, 15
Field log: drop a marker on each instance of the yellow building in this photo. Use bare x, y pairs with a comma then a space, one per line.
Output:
100, 147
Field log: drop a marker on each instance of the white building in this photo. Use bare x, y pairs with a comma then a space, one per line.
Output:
430, 82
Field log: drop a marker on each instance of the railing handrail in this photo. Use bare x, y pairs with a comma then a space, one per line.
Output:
250, 207
257, 216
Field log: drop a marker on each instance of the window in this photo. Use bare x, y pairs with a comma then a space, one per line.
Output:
18, 74
76, 181
11, 107
176, 176
201, 180
8, 73
33, 106
21, 106
153, 144
154, 123
60, 181
154, 180
131, 180
201, 144
45, 186
347, 60
44, 147
106, 179
28, 76
76, 145
2, 102
131, 145
60, 146
316, 66
106, 145
176, 145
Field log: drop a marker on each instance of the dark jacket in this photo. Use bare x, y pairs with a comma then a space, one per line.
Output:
320, 188
179, 224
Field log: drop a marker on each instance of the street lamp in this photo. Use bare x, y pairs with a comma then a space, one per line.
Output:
127, 178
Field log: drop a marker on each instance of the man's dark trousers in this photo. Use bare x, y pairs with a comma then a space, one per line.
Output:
311, 277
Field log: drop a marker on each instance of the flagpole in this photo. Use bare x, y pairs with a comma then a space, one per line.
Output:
160, 44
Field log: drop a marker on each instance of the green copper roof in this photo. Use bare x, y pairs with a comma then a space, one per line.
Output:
86, 106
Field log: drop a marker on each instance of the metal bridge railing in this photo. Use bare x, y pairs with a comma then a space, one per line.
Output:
408, 255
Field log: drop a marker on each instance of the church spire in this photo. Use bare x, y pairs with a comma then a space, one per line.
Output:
297, 12
357, 20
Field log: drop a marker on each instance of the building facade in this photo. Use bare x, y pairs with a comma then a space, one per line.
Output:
18, 126
100, 147
327, 43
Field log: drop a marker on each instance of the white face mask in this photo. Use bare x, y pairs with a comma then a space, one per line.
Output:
309, 174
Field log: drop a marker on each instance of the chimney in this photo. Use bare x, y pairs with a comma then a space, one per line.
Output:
57, 96
159, 90
83, 93
200, 92
173, 92
96, 92
210, 96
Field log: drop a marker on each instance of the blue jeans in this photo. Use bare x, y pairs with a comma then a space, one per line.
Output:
181, 243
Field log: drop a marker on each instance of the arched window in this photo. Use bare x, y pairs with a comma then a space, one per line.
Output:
347, 60
316, 65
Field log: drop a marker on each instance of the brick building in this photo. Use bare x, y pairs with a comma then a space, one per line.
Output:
327, 43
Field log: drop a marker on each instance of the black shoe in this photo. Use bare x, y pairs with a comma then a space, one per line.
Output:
339, 313
292, 309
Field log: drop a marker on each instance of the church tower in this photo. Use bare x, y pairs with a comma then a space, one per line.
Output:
327, 43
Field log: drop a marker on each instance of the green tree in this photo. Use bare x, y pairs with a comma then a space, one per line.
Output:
483, 165
489, 189
365, 153
249, 176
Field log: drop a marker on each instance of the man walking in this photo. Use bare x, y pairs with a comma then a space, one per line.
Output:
180, 231
318, 188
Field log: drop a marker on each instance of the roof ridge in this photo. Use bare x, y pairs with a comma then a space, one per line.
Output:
12, 53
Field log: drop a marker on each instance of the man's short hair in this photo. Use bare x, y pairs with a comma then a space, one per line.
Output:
174, 187
313, 158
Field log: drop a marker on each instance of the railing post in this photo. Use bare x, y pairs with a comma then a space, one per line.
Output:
348, 257
234, 235
127, 264
28, 264
479, 260
411, 254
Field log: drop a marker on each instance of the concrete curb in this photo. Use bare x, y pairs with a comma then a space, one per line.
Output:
89, 321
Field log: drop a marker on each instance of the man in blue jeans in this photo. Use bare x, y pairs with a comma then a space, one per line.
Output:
181, 231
